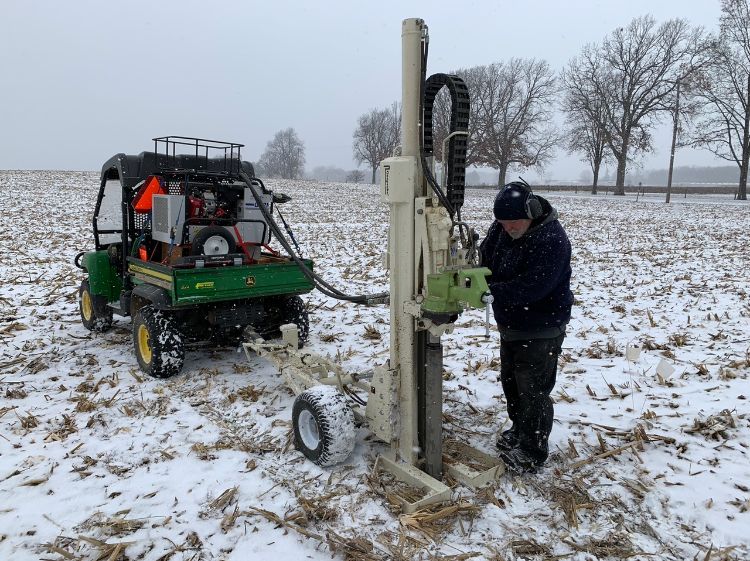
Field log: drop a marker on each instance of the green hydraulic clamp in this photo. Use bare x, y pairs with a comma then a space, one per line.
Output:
449, 291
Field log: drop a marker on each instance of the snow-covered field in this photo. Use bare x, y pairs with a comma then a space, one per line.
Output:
99, 462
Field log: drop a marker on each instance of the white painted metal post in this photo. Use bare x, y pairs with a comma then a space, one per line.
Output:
403, 277
411, 76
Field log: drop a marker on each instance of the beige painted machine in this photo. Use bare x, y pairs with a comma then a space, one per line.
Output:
433, 279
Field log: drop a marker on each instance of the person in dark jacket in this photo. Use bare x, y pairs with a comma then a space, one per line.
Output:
528, 252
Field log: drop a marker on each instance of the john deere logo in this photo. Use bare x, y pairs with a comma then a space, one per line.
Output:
250, 281
209, 284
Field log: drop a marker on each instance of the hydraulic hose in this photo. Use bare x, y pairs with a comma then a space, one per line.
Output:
423, 155
289, 231
456, 157
320, 283
459, 123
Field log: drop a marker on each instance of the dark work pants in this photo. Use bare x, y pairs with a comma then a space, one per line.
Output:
527, 371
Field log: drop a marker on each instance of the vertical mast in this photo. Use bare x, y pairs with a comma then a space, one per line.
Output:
411, 77
403, 277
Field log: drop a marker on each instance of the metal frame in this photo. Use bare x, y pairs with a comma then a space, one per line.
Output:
302, 370
200, 144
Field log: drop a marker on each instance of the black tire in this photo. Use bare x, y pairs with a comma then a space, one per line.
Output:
293, 310
95, 314
213, 240
158, 343
323, 424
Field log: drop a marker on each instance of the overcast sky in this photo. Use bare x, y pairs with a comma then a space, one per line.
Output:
83, 80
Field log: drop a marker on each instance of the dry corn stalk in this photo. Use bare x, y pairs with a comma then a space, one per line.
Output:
714, 427
220, 502
371, 332
432, 520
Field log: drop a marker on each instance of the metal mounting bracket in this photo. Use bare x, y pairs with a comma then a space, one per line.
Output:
470, 466
434, 491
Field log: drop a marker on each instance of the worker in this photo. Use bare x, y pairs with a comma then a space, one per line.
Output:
528, 252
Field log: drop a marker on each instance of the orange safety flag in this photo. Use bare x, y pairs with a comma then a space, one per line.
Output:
154, 185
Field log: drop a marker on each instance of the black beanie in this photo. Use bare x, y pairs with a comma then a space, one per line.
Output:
510, 203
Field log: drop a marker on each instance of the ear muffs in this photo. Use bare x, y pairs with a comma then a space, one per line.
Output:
533, 206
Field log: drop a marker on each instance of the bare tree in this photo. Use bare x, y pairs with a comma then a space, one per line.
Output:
376, 137
589, 139
514, 114
510, 111
584, 117
634, 74
355, 176
724, 88
683, 112
284, 156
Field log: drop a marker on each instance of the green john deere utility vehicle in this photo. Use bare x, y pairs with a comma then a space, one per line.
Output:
181, 245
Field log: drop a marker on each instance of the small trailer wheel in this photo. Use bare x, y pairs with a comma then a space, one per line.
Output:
158, 343
323, 424
95, 314
213, 240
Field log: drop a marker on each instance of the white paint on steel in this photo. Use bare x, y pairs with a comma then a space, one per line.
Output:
401, 234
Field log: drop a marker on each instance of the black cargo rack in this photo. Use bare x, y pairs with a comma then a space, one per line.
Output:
199, 154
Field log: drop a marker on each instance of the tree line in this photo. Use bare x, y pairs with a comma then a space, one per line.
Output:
612, 95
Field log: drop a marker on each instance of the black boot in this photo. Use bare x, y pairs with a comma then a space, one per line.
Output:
508, 439
518, 461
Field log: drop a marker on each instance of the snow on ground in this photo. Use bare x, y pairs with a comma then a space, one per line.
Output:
99, 462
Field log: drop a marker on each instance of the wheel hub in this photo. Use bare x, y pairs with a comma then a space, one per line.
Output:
308, 430
87, 308
216, 245
144, 344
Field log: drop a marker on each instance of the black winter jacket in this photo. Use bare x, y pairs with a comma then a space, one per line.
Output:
530, 279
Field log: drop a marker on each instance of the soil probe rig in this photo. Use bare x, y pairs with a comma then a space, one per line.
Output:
431, 256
